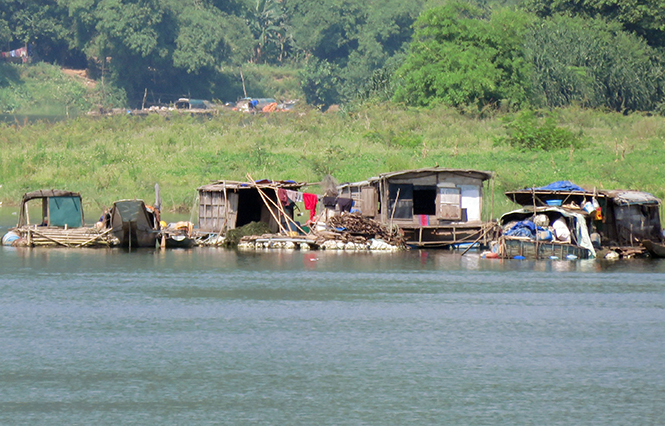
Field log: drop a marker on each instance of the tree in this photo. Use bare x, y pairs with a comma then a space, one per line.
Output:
591, 62
201, 42
169, 47
459, 57
42, 23
320, 83
268, 24
354, 37
645, 18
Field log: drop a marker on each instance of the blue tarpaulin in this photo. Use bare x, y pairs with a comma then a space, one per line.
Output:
562, 185
524, 228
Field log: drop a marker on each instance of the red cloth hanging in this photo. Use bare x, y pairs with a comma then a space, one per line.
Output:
310, 201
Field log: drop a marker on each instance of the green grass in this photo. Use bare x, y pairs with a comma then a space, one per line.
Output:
116, 157
43, 89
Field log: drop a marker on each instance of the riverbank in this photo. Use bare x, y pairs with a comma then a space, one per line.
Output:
109, 158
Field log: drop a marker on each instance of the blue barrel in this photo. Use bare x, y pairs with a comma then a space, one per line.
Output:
9, 238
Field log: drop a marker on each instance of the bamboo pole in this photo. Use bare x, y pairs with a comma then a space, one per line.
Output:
478, 239
51, 239
263, 197
281, 209
95, 238
279, 222
392, 214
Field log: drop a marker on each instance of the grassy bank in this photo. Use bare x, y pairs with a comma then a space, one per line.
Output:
47, 90
110, 158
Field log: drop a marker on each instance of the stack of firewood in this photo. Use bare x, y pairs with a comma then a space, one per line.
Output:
353, 227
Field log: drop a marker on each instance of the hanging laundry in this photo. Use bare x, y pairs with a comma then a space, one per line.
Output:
283, 198
345, 204
294, 196
310, 201
329, 202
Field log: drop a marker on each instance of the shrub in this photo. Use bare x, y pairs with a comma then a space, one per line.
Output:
529, 132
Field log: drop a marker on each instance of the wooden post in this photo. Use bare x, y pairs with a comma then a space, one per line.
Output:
492, 206
226, 208
392, 214
242, 77
533, 190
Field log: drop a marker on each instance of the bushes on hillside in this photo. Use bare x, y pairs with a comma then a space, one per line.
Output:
528, 131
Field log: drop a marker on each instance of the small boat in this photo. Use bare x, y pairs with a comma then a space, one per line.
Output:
178, 235
544, 233
133, 223
61, 222
655, 249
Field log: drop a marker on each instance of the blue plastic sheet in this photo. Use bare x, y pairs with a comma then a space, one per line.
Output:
562, 185
524, 228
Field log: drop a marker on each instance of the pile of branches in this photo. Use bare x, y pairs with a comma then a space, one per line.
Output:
356, 228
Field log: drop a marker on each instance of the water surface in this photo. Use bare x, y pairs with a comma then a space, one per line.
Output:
211, 336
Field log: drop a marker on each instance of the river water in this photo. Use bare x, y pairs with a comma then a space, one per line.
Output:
212, 336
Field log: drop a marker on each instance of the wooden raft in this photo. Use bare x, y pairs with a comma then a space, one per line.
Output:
72, 237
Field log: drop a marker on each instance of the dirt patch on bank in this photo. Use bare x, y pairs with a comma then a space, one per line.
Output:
81, 75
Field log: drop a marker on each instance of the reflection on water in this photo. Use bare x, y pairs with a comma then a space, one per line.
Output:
212, 336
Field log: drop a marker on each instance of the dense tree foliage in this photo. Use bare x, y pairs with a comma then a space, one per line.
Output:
463, 56
593, 63
355, 38
471, 55
645, 18
460, 57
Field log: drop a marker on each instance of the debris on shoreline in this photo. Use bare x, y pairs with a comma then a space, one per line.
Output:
350, 232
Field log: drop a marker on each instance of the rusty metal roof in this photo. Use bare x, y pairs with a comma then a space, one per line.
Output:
46, 193
263, 183
478, 174
627, 198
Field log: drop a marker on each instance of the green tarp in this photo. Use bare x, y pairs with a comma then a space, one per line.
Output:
65, 211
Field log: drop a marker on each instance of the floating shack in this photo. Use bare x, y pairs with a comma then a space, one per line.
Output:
434, 207
226, 204
61, 222
618, 220
629, 218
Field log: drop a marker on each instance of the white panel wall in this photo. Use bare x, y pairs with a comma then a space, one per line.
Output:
471, 201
